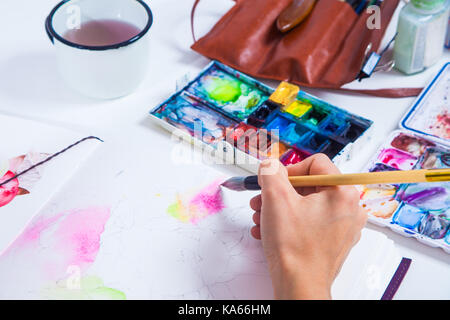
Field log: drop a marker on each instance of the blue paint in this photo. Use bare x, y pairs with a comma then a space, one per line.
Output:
333, 149
408, 217
447, 237
190, 115
279, 123
379, 167
259, 117
294, 133
435, 226
314, 143
334, 124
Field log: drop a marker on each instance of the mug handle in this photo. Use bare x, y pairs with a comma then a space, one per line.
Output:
47, 29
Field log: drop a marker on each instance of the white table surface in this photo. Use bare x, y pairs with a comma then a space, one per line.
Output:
30, 87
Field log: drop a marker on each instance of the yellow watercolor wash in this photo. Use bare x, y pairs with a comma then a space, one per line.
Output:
285, 94
298, 108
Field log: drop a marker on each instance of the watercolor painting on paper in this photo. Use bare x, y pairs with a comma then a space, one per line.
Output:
62, 248
21, 185
21, 197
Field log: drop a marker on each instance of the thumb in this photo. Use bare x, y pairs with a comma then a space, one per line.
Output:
273, 179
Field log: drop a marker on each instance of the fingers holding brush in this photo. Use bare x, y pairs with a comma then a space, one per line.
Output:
256, 230
318, 164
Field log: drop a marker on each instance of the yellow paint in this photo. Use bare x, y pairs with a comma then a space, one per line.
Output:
285, 94
298, 108
276, 150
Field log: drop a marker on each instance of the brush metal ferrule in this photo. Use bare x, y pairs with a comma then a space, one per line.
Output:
438, 175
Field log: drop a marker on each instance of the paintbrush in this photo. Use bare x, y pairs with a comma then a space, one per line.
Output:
385, 177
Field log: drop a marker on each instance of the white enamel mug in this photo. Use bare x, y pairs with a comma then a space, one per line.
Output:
108, 71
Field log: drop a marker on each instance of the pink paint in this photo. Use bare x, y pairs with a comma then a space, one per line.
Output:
10, 190
33, 232
72, 237
78, 235
209, 199
397, 159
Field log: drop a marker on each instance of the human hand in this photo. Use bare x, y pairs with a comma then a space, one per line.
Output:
306, 232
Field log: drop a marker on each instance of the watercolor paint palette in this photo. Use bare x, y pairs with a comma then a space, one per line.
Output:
420, 210
234, 113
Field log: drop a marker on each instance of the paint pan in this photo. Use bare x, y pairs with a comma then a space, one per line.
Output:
236, 96
241, 118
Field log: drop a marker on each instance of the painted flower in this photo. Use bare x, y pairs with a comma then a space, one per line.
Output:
10, 190
21, 185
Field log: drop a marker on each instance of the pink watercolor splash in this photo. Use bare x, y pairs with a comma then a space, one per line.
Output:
78, 235
206, 202
72, 237
33, 232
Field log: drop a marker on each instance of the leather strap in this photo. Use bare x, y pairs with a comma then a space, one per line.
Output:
194, 7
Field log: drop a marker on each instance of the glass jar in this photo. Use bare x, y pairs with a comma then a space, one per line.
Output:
421, 34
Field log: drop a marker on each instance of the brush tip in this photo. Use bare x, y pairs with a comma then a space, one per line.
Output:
235, 184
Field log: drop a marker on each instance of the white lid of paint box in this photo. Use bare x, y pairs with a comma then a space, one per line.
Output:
433, 102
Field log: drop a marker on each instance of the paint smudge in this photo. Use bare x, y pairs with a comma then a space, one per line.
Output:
436, 159
192, 209
73, 235
371, 192
57, 243
397, 159
228, 92
86, 288
442, 126
427, 196
409, 217
435, 226
381, 208
432, 113
411, 144
190, 115
23, 184
78, 235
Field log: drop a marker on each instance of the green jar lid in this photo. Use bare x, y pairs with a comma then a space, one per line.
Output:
428, 5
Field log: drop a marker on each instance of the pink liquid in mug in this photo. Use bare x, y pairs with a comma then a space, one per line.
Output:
102, 33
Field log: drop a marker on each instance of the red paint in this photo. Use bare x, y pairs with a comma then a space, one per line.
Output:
9, 190
293, 156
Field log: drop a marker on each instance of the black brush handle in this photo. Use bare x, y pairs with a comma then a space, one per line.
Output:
251, 183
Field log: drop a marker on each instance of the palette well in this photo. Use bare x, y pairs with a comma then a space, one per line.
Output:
222, 105
419, 210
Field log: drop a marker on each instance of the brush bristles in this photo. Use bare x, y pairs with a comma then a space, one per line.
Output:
235, 183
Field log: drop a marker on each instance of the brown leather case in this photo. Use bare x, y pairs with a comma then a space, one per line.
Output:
326, 50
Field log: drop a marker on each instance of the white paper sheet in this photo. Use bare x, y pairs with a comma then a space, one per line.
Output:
36, 142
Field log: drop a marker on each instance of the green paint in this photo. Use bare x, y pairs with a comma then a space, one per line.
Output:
224, 90
313, 121
91, 288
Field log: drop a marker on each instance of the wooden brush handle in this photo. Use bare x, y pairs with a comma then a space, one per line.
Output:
412, 176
